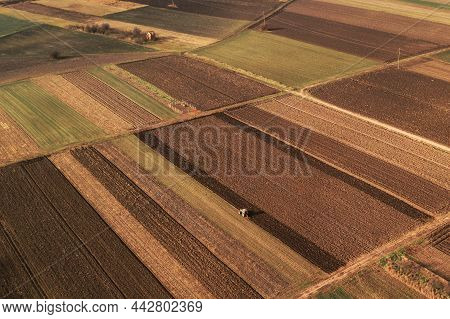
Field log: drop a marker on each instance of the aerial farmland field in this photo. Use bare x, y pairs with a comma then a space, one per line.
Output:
302, 63
189, 150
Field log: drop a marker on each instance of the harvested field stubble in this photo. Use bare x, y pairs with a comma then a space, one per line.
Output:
413, 102
435, 69
248, 265
82, 6
343, 216
116, 102
82, 103
59, 262
216, 276
399, 181
119, 263
53, 12
14, 142
202, 85
367, 43
290, 268
179, 282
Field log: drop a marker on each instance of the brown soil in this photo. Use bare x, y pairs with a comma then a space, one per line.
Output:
204, 86
375, 20
59, 262
15, 279
83, 103
436, 69
228, 249
116, 102
216, 276
147, 248
410, 186
130, 276
339, 214
407, 100
346, 38
52, 12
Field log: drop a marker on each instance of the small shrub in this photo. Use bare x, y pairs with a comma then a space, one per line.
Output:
55, 55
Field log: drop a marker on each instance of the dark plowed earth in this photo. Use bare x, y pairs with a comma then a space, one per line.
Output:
204, 86
116, 102
416, 103
52, 12
346, 38
294, 240
238, 10
339, 214
15, 279
59, 262
216, 276
374, 20
412, 187
132, 278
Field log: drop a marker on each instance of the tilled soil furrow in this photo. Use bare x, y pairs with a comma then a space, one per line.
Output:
216, 276
132, 278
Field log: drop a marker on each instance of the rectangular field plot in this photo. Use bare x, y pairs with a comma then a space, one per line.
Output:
435, 69
370, 283
324, 215
413, 102
180, 21
51, 12
284, 60
202, 85
374, 20
132, 93
10, 25
95, 8
49, 122
346, 38
445, 56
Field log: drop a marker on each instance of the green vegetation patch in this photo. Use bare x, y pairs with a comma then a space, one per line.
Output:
10, 25
42, 40
51, 123
338, 293
429, 4
148, 103
284, 60
178, 21
445, 56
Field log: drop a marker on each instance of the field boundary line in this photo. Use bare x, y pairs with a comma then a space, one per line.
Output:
388, 127
345, 171
369, 258
186, 117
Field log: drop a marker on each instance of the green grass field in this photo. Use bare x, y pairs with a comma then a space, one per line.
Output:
445, 56
429, 4
284, 60
42, 40
178, 21
51, 123
143, 100
10, 25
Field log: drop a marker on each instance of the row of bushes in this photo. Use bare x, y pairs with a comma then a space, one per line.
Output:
137, 35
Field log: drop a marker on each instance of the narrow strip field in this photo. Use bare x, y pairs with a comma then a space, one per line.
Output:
393, 178
14, 142
52, 12
435, 69
82, 6
217, 277
47, 120
415, 103
353, 217
82, 103
118, 103
284, 60
60, 264
145, 101
204, 86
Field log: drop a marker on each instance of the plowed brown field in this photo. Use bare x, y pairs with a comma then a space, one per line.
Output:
342, 37
436, 69
52, 12
202, 85
216, 276
116, 102
410, 101
375, 20
338, 214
